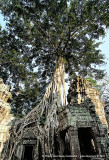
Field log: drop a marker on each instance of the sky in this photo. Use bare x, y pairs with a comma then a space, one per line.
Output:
2, 22
104, 47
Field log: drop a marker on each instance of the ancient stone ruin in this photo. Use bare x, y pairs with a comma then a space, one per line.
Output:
56, 131
5, 116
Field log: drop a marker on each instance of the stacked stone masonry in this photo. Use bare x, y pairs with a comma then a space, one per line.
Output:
52, 131
5, 116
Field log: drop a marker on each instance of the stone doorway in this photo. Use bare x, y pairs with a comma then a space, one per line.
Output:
65, 145
28, 152
86, 141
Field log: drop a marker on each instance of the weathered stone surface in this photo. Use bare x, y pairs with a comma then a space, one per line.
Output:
84, 116
5, 116
41, 122
107, 115
55, 131
80, 90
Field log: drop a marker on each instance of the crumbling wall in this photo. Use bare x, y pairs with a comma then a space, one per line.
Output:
107, 115
82, 89
52, 129
87, 135
40, 124
5, 116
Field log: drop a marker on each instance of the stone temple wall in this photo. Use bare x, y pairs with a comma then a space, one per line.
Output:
37, 128
5, 116
53, 131
81, 132
107, 115
81, 90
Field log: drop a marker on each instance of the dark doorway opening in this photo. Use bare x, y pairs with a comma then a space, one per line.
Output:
65, 145
56, 145
40, 151
86, 141
28, 152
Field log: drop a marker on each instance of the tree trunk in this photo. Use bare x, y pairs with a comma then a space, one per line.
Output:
43, 117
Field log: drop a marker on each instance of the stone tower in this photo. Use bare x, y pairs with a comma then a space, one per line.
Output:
52, 130
82, 89
5, 116
82, 124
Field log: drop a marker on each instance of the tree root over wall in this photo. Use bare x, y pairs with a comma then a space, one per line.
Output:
41, 123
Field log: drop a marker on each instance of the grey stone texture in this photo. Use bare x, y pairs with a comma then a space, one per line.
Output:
77, 131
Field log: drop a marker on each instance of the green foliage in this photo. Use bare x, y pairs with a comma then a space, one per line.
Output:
42, 120
39, 32
94, 83
15, 69
102, 86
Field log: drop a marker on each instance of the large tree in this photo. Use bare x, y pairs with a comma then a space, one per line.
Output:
40, 31
15, 69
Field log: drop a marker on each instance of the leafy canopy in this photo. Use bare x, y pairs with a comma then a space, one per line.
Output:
40, 31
